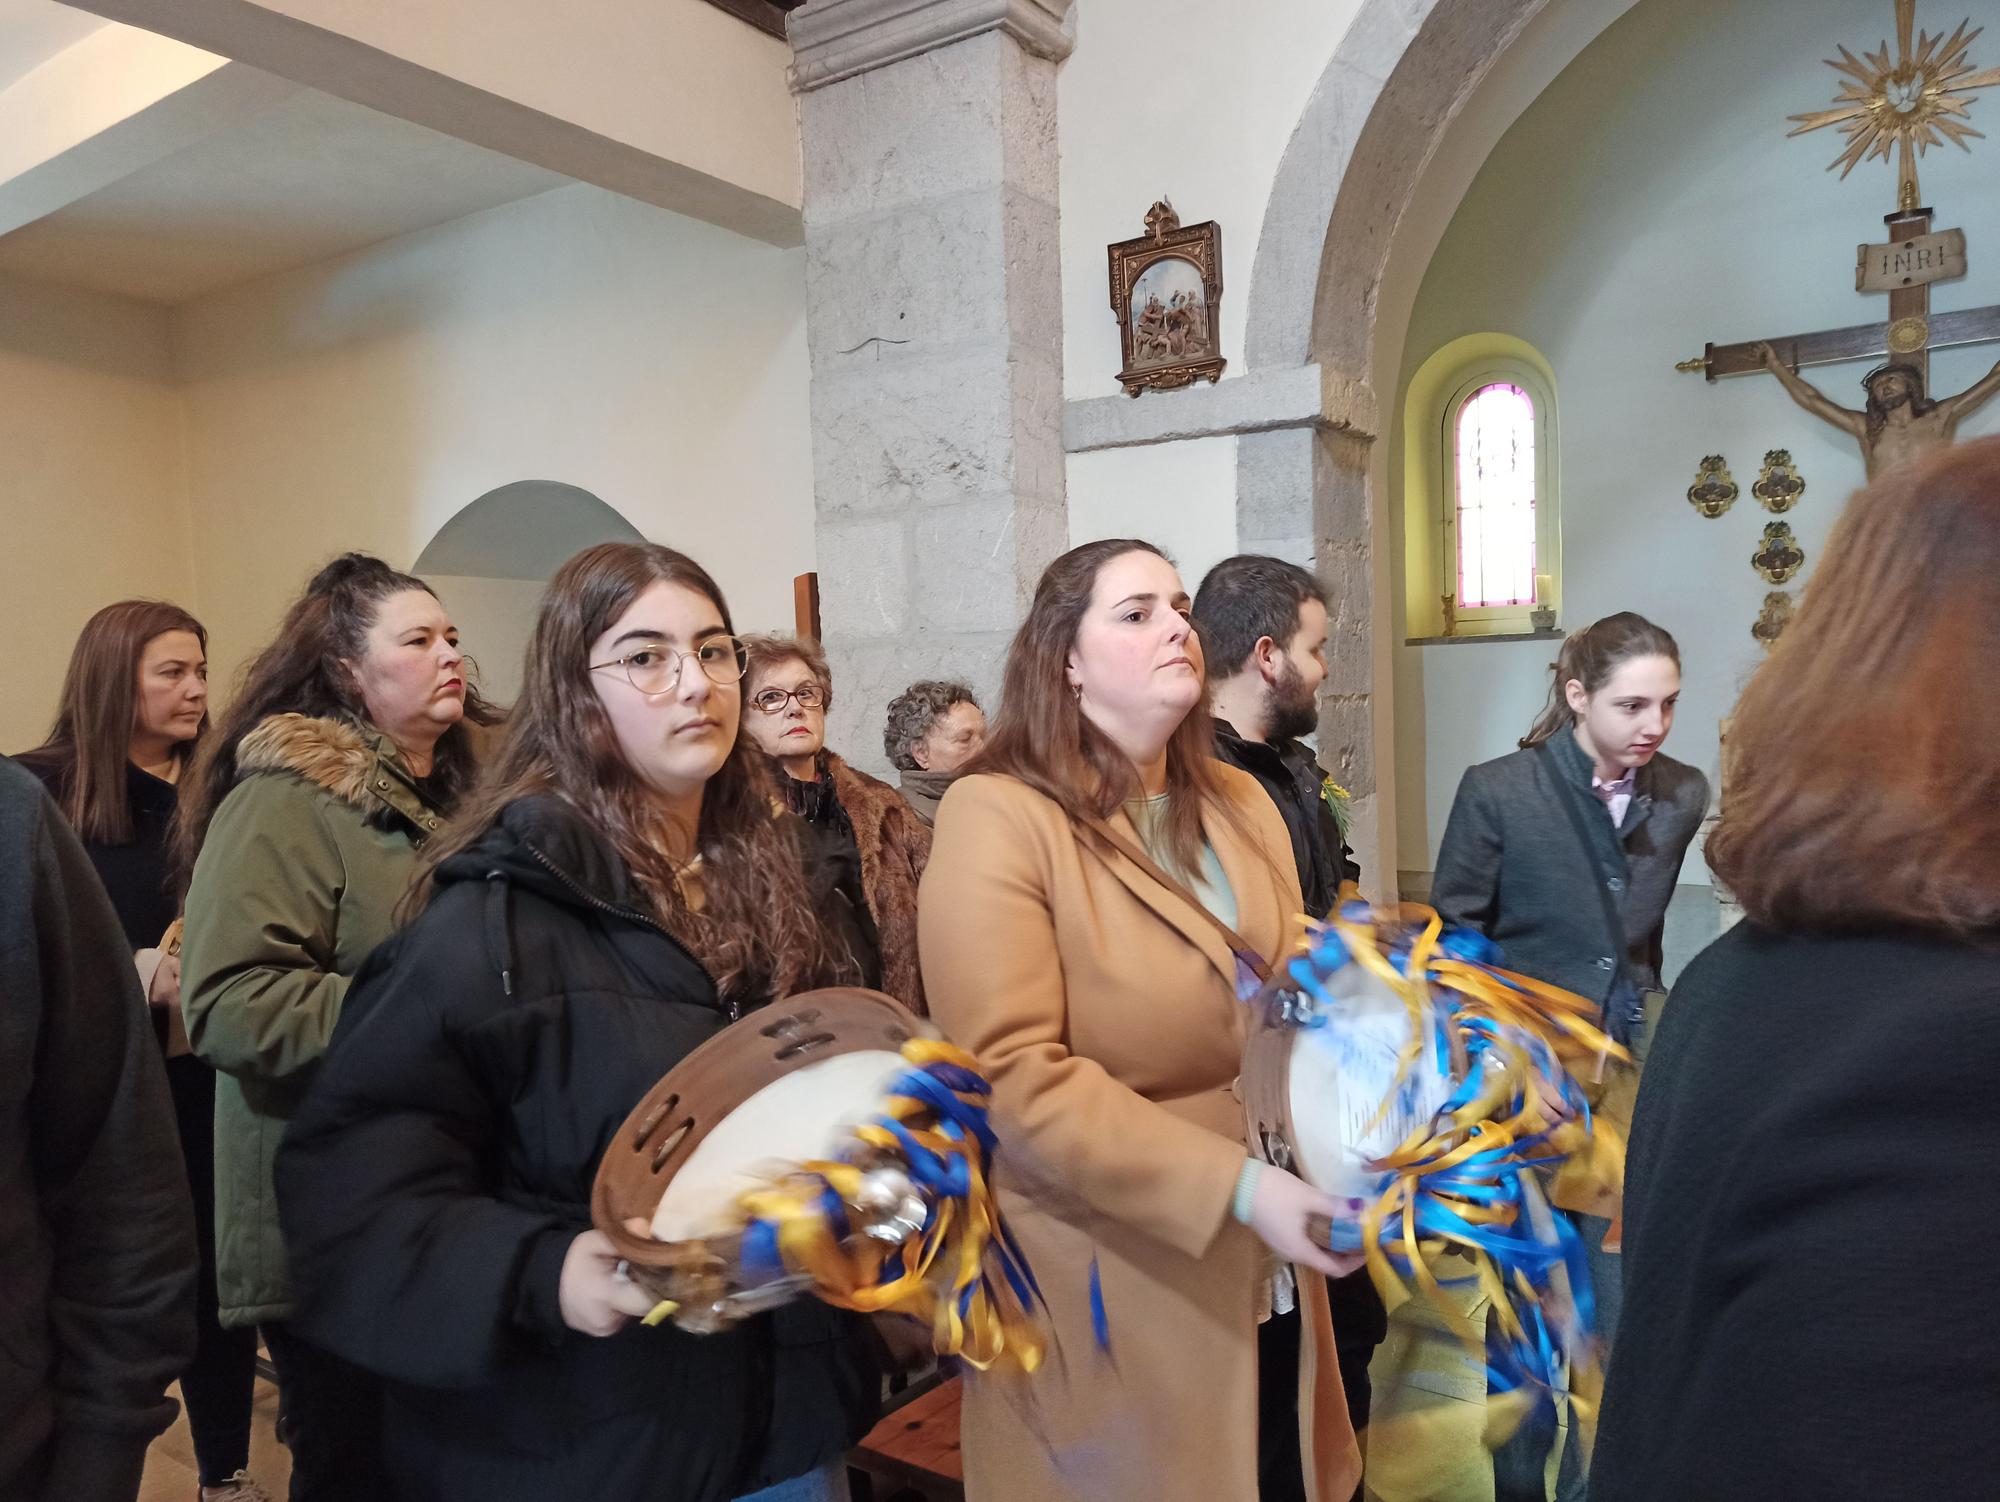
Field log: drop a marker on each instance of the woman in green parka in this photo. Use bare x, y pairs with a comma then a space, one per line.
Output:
299, 830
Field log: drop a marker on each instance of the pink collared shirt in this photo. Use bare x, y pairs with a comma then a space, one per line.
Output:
1616, 796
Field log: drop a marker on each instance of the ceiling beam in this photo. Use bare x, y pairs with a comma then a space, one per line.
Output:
665, 101
112, 103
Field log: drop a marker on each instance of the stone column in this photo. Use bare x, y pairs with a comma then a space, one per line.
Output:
934, 322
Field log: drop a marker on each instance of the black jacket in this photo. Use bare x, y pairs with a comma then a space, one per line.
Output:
1294, 779
138, 875
1511, 865
442, 1163
97, 1249
1808, 1212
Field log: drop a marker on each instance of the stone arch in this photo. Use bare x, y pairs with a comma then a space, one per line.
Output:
488, 564
522, 530
1415, 97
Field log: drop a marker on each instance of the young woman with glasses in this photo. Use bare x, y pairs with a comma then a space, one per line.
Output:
865, 826
621, 884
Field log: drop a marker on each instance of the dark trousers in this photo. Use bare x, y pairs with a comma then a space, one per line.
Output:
330, 1413
1359, 1325
216, 1386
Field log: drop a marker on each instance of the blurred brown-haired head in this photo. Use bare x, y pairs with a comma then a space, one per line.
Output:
1862, 781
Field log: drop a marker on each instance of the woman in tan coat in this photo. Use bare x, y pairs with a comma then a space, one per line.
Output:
1101, 999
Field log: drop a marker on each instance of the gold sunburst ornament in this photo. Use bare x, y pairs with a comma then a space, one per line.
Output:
1908, 105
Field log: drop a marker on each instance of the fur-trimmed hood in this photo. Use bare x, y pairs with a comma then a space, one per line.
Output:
362, 770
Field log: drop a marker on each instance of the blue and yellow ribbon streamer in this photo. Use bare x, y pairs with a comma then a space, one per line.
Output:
1468, 1179
962, 1274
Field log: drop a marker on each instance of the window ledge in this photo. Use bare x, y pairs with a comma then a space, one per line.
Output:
1458, 641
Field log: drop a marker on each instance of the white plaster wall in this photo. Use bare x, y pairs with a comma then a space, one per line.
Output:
93, 502
1188, 100
655, 361
1650, 201
1179, 496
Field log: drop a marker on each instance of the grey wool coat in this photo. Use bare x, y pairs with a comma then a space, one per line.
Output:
1512, 868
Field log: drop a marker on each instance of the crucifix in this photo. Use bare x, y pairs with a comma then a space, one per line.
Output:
1904, 105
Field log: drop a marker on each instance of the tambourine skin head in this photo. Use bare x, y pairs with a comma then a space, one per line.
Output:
677, 1115
1315, 1093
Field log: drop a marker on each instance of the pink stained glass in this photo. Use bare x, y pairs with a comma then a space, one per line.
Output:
1495, 457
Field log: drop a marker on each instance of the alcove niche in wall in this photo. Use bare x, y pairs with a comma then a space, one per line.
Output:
489, 562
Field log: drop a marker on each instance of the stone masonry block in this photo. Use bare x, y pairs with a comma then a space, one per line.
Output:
864, 571
977, 265
929, 127
891, 434
1274, 480
964, 565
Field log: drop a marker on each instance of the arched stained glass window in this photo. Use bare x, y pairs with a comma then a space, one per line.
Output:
1495, 479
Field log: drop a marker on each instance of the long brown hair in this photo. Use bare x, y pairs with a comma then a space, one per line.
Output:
1042, 737
1590, 657
91, 740
301, 672
757, 929
1862, 785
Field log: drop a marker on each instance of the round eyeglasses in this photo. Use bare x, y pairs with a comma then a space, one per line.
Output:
774, 700
655, 668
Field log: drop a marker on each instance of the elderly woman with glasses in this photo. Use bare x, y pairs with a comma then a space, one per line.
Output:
865, 824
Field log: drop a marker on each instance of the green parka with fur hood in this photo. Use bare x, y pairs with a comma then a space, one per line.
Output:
297, 880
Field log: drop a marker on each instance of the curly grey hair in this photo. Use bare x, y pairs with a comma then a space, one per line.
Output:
914, 711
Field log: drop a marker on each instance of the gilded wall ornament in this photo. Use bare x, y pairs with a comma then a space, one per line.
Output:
1713, 491
1773, 618
1778, 485
1780, 557
1166, 292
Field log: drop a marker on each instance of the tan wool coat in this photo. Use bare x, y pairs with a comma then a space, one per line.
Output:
1102, 1006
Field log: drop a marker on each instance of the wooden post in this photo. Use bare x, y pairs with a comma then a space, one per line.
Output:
805, 605
1912, 302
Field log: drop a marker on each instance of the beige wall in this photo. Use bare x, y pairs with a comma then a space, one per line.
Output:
219, 452
93, 501
654, 361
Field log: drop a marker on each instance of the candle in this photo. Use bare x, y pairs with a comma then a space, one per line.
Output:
1545, 588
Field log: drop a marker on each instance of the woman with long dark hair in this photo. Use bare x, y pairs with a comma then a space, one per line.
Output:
134, 708
1566, 853
623, 883
299, 826
1098, 884
1807, 1193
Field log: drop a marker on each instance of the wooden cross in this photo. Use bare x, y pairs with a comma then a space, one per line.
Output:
1909, 333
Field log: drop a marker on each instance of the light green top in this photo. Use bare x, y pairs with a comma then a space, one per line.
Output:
1211, 887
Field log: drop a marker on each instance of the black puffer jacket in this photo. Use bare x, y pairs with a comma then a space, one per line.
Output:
442, 1164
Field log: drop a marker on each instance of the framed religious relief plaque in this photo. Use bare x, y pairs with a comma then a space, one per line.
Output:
1166, 292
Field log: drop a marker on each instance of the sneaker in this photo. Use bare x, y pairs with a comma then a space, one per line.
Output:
238, 1488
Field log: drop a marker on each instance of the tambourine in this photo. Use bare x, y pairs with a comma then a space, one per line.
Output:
1394, 1065
1331, 1097
832, 1145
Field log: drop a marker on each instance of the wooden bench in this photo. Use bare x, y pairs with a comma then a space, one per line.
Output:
912, 1455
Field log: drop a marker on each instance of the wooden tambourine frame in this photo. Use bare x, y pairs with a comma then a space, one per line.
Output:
689, 1102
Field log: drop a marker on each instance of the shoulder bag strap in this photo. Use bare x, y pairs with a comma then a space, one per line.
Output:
1238, 945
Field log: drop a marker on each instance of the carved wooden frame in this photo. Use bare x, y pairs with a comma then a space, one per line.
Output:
1201, 246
